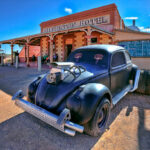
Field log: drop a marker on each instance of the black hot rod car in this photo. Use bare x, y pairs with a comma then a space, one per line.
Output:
77, 95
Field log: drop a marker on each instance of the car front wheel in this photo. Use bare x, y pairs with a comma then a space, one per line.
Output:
97, 125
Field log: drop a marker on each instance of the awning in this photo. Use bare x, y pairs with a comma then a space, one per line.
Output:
35, 38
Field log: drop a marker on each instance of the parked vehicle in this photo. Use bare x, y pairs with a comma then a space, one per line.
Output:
78, 95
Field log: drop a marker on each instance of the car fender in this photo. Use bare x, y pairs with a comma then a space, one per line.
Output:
84, 101
135, 77
32, 88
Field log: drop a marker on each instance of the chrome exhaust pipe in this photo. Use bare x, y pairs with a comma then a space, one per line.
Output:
67, 127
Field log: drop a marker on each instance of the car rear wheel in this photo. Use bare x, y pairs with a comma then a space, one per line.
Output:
97, 125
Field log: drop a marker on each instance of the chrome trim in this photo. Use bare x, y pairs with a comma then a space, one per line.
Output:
136, 80
129, 88
121, 94
67, 127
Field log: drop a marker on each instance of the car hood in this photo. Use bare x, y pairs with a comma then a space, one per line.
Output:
51, 95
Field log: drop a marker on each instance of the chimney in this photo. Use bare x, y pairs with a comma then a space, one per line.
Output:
133, 22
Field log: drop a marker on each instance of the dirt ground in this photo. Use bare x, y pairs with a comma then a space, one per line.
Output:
129, 125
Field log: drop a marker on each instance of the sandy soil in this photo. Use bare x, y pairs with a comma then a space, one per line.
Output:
129, 125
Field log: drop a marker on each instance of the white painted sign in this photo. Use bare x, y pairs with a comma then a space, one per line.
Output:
77, 24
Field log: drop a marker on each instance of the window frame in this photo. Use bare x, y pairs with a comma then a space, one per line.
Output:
89, 49
94, 38
119, 66
126, 52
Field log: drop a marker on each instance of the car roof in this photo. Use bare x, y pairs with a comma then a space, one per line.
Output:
108, 48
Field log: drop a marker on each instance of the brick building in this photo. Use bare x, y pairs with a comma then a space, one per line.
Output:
93, 26
101, 25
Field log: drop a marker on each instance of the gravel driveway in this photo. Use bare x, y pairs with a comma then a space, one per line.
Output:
129, 124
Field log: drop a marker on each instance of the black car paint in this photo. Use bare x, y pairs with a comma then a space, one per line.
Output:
119, 76
83, 94
84, 101
59, 91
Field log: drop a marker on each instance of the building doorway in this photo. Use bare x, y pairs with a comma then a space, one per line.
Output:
69, 49
68, 45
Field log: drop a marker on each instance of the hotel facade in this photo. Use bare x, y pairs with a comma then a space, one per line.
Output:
102, 25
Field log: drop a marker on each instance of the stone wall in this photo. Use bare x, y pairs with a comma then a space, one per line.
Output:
79, 39
44, 46
97, 35
105, 39
59, 47
76, 39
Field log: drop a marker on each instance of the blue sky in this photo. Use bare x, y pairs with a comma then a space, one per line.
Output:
22, 17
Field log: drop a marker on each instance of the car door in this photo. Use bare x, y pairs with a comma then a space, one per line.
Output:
118, 72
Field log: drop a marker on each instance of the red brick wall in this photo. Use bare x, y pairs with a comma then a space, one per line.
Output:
33, 50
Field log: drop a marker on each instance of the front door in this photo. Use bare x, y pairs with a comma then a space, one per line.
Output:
68, 50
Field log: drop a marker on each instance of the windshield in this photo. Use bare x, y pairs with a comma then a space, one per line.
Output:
90, 56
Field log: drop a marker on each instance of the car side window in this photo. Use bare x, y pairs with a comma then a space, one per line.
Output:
118, 59
128, 58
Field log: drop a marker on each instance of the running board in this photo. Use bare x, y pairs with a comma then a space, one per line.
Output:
120, 95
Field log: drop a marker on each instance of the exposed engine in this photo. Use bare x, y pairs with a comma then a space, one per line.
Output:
60, 70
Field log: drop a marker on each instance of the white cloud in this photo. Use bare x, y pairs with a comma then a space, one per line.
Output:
131, 18
143, 29
68, 10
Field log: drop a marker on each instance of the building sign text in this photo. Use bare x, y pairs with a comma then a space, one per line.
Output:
77, 24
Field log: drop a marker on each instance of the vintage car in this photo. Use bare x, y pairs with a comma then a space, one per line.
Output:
77, 95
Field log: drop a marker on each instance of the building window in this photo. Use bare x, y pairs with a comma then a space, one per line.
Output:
93, 40
140, 48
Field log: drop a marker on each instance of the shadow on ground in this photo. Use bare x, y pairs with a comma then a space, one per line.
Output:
27, 132
12, 79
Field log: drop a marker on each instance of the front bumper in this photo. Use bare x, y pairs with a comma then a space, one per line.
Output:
60, 122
